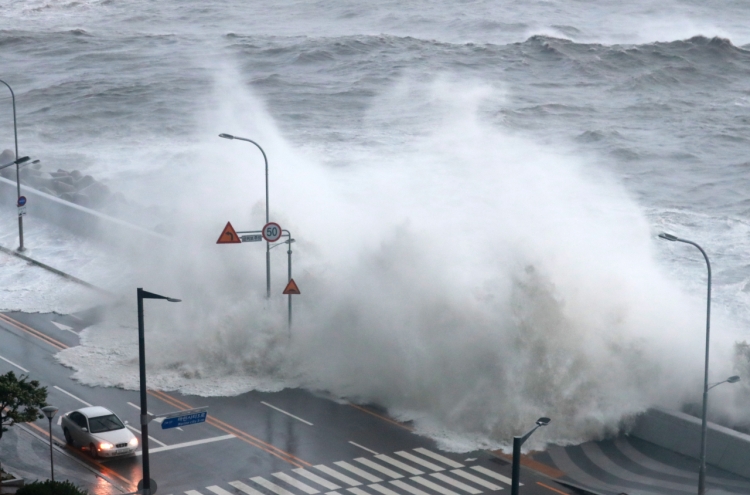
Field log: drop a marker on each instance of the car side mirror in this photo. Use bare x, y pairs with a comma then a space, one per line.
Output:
127, 422
84, 429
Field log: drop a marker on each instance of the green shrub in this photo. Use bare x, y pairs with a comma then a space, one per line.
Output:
48, 488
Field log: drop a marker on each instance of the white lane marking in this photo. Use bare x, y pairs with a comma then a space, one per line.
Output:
418, 460
333, 493
149, 437
357, 491
477, 480
433, 486
317, 479
287, 413
378, 467
408, 488
271, 486
363, 448
384, 490
492, 474
14, 364
244, 488
59, 420
399, 464
188, 444
362, 474
64, 327
456, 483
470, 459
337, 475
193, 492
158, 420
296, 483
439, 458
218, 490
76, 398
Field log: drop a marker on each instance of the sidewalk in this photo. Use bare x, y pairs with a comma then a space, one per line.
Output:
26, 454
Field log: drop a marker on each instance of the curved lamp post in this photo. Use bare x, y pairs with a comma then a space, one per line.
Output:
18, 172
142, 294
268, 244
50, 412
702, 470
517, 442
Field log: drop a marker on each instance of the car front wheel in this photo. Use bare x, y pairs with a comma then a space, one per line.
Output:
68, 438
94, 452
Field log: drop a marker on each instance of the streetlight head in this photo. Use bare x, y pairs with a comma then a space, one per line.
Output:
668, 237
23, 159
543, 421
49, 411
170, 299
226, 136
733, 379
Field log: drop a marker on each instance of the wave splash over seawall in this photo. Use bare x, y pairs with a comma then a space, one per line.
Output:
472, 281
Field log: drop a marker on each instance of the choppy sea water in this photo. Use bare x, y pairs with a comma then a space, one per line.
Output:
475, 189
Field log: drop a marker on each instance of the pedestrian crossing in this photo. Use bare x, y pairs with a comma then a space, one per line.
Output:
416, 472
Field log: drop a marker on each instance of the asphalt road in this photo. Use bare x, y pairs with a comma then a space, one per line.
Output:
291, 442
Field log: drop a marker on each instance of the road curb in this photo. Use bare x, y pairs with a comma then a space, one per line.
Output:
56, 271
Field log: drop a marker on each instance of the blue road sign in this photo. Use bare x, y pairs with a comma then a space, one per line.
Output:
189, 419
21, 200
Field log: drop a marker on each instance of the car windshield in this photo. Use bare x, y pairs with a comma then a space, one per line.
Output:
105, 423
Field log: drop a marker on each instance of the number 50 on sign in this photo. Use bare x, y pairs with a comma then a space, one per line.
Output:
271, 232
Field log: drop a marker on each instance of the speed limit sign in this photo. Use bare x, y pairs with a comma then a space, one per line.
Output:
271, 232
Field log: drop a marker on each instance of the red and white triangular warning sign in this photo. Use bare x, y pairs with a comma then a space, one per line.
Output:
291, 288
229, 236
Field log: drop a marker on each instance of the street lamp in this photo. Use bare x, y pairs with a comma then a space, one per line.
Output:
18, 171
268, 244
731, 379
50, 412
142, 294
517, 442
704, 426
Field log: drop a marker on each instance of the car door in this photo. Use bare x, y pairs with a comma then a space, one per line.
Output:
79, 435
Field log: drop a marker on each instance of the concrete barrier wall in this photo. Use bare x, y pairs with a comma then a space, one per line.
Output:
71, 216
725, 448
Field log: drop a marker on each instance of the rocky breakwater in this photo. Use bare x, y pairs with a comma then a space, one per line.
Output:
71, 185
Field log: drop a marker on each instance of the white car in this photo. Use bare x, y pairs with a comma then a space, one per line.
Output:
100, 430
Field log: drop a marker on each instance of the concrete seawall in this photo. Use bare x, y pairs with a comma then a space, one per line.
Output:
71, 216
725, 448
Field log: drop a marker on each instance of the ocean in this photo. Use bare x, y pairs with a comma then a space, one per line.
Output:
475, 189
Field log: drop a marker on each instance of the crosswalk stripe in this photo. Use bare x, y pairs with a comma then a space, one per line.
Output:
218, 490
438, 457
492, 474
399, 464
270, 486
244, 488
333, 493
477, 480
456, 483
433, 486
408, 488
383, 490
193, 492
418, 460
357, 491
317, 479
337, 475
295, 483
362, 474
378, 467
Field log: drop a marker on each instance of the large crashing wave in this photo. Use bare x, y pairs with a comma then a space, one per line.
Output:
471, 281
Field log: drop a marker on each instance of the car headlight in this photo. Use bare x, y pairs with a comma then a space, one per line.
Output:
133, 442
106, 446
